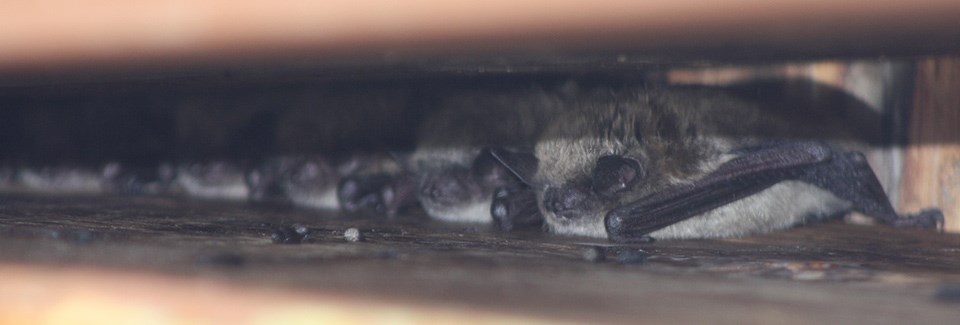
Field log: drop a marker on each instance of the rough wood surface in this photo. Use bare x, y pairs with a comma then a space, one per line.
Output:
130, 258
44, 36
932, 162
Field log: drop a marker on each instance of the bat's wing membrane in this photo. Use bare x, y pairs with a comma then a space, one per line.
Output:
743, 176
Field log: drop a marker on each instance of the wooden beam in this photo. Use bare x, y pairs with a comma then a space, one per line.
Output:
143, 260
50, 295
932, 164
51, 34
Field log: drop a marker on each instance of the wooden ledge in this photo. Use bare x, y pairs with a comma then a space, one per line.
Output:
162, 259
55, 34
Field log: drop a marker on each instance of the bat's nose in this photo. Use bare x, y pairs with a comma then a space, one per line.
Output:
564, 200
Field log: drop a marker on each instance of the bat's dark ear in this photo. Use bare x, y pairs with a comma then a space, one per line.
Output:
519, 163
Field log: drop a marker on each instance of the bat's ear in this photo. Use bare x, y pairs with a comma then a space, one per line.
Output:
521, 164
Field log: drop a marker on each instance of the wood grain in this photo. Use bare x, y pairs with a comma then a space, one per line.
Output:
183, 261
932, 164
56, 34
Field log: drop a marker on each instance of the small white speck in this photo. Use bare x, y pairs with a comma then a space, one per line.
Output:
351, 235
300, 229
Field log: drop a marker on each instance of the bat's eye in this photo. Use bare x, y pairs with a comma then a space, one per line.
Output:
614, 174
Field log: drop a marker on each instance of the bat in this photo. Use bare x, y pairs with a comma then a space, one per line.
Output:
633, 164
371, 181
307, 181
451, 172
63, 179
109, 178
213, 180
304, 181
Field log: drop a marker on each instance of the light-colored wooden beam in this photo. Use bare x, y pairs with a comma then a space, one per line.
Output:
49, 34
89, 295
932, 161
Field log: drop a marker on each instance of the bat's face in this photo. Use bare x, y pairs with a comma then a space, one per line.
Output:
461, 194
453, 195
593, 160
582, 176
303, 176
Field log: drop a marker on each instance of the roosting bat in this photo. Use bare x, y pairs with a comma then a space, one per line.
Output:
313, 182
110, 178
636, 164
451, 173
308, 181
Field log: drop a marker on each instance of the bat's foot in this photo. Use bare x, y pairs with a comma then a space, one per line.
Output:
382, 194
926, 219
514, 208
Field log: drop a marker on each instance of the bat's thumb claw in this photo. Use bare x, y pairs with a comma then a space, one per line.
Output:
927, 219
614, 223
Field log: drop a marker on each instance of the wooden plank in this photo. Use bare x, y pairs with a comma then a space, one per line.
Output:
932, 166
139, 258
55, 34
52, 295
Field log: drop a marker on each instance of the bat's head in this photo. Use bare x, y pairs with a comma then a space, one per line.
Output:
608, 151
362, 182
295, 176
464, 194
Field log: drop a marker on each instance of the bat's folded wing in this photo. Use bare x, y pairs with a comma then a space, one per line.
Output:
754, 171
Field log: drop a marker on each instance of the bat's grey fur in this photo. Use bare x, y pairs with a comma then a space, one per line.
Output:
214, 180
110, 178
678, 136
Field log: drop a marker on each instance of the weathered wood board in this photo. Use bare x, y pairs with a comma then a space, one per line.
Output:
174, 260
932, 161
